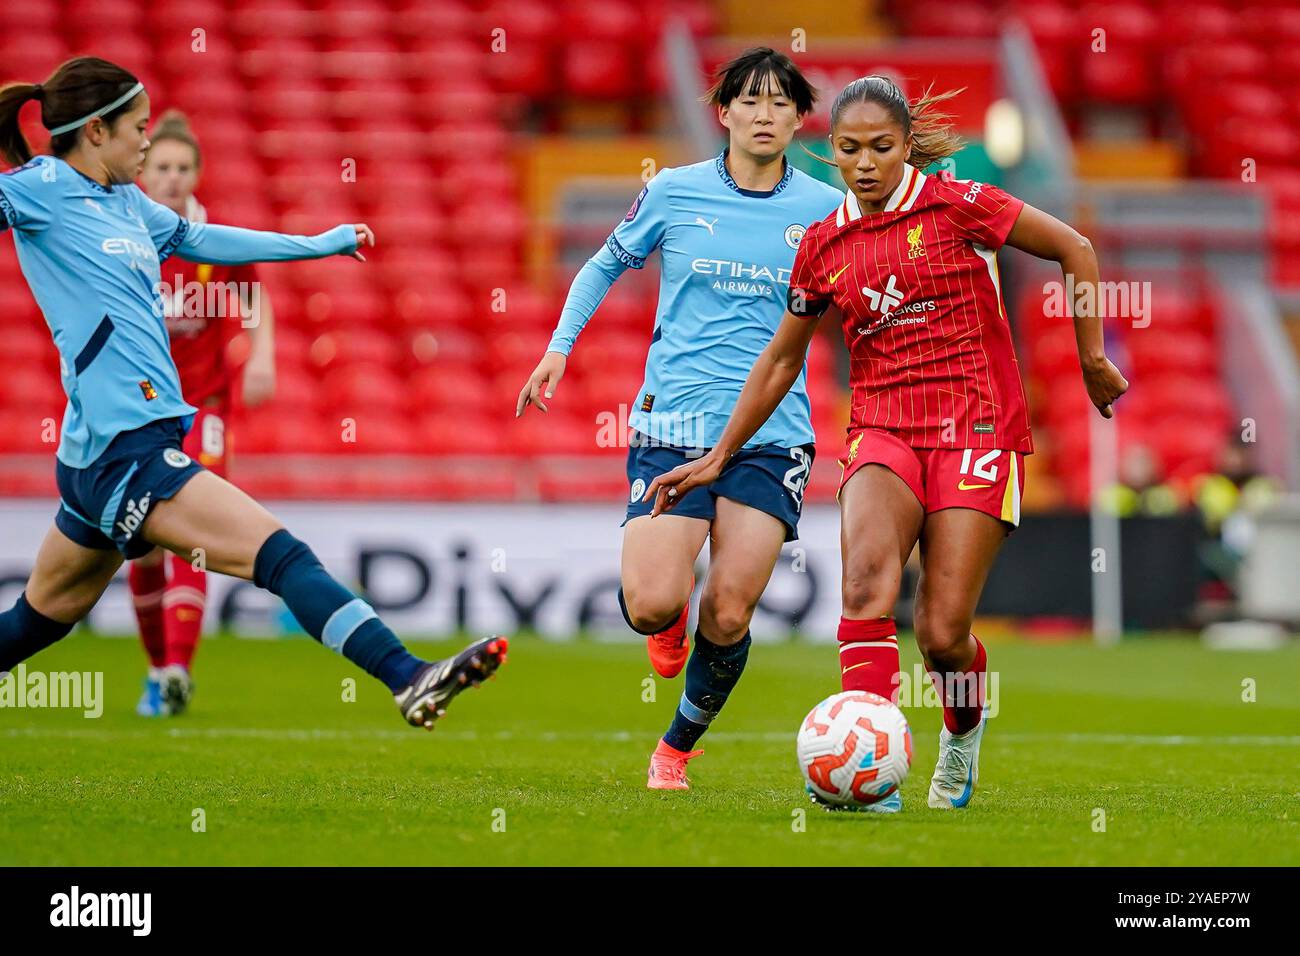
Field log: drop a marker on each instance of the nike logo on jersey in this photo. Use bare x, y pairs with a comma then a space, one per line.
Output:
699, 221
962, 486
836, 275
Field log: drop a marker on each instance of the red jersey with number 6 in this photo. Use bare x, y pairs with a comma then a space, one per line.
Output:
202, 304
931, 353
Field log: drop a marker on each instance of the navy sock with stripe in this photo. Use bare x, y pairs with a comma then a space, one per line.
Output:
25, 631
711, 675
330, 612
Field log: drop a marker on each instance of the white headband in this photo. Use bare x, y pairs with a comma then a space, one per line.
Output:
125, 97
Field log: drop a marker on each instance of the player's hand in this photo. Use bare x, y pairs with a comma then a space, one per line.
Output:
541, 384
1105, 384
672, 487
259, 379
365, 237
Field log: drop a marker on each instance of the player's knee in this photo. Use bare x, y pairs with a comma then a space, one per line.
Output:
871, 587
725, 617
939, 629
653, 610
70, 604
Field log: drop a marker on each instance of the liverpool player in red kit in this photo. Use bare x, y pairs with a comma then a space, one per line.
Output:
939, 422
205, 305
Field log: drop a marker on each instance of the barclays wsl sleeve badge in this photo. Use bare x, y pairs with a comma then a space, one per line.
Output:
636, 204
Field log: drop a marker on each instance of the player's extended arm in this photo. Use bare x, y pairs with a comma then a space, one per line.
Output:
586, 292
259, 370
233, 246
1047, 237
769, 380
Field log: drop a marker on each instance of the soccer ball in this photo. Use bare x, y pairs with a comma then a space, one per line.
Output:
855, 749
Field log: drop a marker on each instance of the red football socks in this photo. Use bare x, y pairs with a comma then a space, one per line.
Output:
147, 584
963, 692
869, 656
183, 605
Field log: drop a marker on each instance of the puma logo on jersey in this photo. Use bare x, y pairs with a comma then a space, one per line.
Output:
836, 275
699, 221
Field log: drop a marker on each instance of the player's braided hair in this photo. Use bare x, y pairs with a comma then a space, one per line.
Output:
932, 134
174, 126
79, 86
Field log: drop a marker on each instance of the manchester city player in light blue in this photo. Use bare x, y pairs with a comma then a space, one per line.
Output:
727, 230
90, 244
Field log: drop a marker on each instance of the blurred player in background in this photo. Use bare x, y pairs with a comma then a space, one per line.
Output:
204, 304
90, 244
939, 421
727, 230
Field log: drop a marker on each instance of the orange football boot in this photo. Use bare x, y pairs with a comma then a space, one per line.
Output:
670, 648
668, 767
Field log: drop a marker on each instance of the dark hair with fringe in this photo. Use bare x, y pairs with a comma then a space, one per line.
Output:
79, 86
932, 134
750, 74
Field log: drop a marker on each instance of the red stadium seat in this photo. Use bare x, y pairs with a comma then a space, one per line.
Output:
443, 433
283, 430
966, 20
599, 71
24, 433
362, 387
34, 388
435, 390
33, 58
354, 344
441, 347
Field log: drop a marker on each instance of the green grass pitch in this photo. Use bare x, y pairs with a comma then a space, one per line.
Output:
546, 765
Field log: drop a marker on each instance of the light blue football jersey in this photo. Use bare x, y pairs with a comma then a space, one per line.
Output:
726, 259
91, 255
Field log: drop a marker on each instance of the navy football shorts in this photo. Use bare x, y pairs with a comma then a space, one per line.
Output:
104, 505
770, 478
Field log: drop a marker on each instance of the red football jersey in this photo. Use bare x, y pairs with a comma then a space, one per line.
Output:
202, 305
931, 354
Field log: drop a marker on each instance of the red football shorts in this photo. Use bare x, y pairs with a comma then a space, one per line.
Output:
984, 480
206, 442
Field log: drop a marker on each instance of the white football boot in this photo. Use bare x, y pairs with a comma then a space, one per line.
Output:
958, 767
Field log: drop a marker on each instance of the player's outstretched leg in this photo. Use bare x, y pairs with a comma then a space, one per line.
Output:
65, 583
958, 546
237, 536
427, 696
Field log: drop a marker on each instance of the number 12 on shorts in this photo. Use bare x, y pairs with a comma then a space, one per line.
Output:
983, 467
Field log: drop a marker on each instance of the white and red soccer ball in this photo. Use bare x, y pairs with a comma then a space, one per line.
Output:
855, 749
